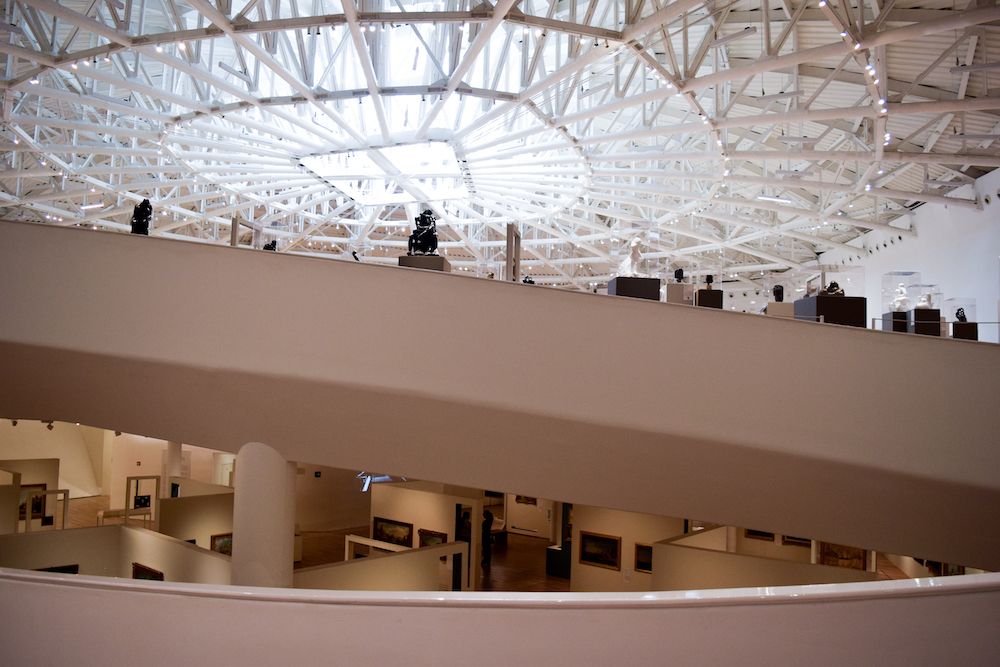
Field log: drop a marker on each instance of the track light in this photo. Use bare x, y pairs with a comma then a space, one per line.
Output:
13, 422
49, 426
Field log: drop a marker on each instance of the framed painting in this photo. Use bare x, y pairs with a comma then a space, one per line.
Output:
749, 533
601, 550
429, 538
140, 571
37, 502
840, 555
223, 543
644, 558
791, 541
396, 532
526, 500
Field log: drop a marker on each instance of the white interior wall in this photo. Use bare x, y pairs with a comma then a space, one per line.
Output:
138, 455
32, 440
95, 550
527, 519
413, 570
197, 517
176, 559
633, 528
332, 501
956, 248
677, 567
421, 504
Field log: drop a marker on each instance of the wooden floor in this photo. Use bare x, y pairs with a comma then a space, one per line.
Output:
520, 566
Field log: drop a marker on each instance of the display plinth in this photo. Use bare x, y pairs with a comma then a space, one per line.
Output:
429, 262
680, 293
708, 298
896, 321
781, 309
557, 560
925, 321
845, 310
637, 288
965, 330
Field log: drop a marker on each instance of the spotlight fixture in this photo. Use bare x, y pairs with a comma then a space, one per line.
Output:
13, 422
49, 425
118, 432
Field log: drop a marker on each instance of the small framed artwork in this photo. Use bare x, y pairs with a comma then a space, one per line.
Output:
141, 501
429, 538
758, 535
601, 550
396, 532
643, 557
526, 500
37, 502
790, 541
140, 571
223, 543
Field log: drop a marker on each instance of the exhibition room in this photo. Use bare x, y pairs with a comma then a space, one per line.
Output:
431, 332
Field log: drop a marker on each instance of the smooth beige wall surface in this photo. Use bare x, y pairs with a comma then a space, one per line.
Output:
177, 560
332, 501
66, 442
586, 402
527, 519
138, 455
197, 517
9, 503
402, 571
95, 550
681, 568
633, 528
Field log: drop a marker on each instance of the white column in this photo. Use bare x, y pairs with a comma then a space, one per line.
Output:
263, 518
171, 465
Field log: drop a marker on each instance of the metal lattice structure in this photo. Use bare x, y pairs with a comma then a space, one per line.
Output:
738, 138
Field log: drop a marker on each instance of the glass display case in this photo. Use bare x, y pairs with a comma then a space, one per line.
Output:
925, 295
895, 290
951, 306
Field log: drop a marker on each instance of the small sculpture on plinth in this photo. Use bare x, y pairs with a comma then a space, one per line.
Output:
679, 275
141, 216
708, 281
833, 289
424, 240
925, 301
528, 280
630, 265
778, 292
271, 245
900, 302
960, 315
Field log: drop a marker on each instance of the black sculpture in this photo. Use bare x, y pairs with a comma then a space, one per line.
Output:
141, 215
833, 289
271, 245
354, 254
423, 240
527, 280
960, 315
778, 291
709, 280
679, 275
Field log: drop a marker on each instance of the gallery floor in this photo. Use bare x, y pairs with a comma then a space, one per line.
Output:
519, 566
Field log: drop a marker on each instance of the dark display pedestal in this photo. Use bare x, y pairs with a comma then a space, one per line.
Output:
898, 322
708, 298
925, 321
846, 310
429, 262
965, 330
557, 560
637, 288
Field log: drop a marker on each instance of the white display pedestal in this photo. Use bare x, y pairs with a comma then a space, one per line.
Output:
783, 309
680, 293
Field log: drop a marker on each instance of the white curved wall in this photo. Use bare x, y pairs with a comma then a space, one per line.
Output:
949, 621
617, 403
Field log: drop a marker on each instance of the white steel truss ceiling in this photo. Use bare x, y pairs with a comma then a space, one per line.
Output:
737, 138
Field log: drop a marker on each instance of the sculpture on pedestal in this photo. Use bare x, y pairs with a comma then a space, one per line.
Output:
833, 289
528, 280
141, 216
900, 302
778, 292
960, 315
630, 265
679, 275
271, 245
925, 301
423, 240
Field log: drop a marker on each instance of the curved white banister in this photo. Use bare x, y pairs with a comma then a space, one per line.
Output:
90, 621
842, 434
